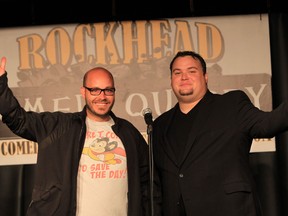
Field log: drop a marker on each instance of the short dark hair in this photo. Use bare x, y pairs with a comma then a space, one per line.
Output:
193, 55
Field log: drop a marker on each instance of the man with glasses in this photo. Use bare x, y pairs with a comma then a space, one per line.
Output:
89, 162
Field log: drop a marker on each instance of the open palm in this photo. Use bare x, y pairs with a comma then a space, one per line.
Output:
2, 66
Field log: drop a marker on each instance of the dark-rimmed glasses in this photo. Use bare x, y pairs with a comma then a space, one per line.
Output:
97, 91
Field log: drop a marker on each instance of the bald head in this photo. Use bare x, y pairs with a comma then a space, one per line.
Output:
97, 73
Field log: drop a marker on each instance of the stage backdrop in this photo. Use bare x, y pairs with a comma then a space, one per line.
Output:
45, 66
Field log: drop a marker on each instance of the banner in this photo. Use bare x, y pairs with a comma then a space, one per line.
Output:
46, 64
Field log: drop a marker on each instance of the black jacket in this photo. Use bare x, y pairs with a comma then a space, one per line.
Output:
213, 176
60, 137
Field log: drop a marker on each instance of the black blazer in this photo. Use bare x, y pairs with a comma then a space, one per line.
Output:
214, 176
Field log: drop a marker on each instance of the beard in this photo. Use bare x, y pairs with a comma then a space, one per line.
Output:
186, 92
102, 115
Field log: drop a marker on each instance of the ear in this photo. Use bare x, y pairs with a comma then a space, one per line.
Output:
82, 91
206, 78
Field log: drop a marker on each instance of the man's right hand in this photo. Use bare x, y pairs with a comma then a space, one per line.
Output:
2, 66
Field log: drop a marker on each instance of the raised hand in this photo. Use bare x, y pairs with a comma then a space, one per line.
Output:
2, 66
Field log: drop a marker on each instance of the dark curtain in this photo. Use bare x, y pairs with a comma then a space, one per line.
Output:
278, 23
11, 190
264, 166
16, 183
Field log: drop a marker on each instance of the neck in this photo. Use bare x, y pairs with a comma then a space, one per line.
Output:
186, 106
98, 118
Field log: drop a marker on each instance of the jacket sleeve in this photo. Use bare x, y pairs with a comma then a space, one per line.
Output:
25, 124
7, 99
259, 123
13, 115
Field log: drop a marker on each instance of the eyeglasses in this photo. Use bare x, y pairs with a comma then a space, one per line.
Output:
97, 91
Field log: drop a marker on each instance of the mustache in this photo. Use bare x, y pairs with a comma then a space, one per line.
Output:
100, 100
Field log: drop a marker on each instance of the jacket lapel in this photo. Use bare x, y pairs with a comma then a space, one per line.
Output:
168, 148
200, 119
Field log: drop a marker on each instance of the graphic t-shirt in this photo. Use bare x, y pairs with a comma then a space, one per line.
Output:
102, 177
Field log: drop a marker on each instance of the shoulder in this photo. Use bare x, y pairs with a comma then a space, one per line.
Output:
236, 93
165, 115
230, 99
121, 123
124, 122
233, 95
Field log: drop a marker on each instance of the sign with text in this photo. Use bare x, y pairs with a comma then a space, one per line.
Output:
45, 66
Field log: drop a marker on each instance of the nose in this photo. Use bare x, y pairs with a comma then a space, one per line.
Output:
102, 94
184, 76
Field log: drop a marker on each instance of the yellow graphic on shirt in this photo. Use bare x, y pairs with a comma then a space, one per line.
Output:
103, 150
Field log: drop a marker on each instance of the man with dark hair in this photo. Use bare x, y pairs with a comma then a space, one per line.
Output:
201, 145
